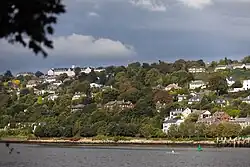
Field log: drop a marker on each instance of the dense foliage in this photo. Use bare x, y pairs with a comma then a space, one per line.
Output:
29, 22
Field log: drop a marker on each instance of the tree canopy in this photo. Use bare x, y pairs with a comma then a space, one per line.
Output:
29, 22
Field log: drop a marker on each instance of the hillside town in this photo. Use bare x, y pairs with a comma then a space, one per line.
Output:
180, 99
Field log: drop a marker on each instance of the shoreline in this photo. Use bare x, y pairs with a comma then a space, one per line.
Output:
86, 141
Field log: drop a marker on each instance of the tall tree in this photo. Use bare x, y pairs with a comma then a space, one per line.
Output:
237, 84
7, 75
29, 22
92, 77
109, 95
77, 71
246, 59
163, 97
83, 87
152, 77
62, 77
218, 83
39, 74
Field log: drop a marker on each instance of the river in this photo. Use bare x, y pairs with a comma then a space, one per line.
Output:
120, 156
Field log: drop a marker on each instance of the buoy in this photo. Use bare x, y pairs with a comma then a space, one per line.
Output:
199, 148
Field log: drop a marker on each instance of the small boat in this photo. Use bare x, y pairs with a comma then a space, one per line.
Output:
199, 148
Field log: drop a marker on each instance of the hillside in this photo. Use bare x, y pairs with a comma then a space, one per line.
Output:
130, 101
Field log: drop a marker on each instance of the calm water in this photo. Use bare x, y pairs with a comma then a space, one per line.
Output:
49, 156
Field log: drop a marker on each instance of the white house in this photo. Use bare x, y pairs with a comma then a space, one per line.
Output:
186, 113
181, 97
31, 84
52, 97
25, 74
172, 86
230, 81
86, 70
247, 65
196, 70
89, 69
238, 66
42, 92
235, 90
243, 122
78, 95
183, 114
175, 113
77, 107
95, 85
246, 84
222, 102
194, 99
168, 122
58, 71
202, 113
57, 83
70, 71
50, 79
221, 67
197, 84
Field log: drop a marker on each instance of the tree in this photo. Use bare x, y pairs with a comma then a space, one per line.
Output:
181, 77
109, 95
102, 77
87, 131
62, 77
232, 112
146, 131
237, 84
173, 131
7, 75
131, 94
162, 96
245, 131
38, 74
83, 87
193, 117
246, 59
92, 77
77, 71
200, 129
145, 66
24, 91
218, 83
144, 107
152, 77
179, 65
67, 131
39, 100
29, 27
40, 131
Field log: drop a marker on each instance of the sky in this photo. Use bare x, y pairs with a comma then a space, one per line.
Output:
118, 32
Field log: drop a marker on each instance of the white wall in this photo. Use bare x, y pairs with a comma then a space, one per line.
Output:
50, 72
246, 84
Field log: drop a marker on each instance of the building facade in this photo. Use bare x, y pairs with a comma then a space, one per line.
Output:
197, 84
196, 70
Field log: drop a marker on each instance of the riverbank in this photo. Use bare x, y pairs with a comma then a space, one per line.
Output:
91, 141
